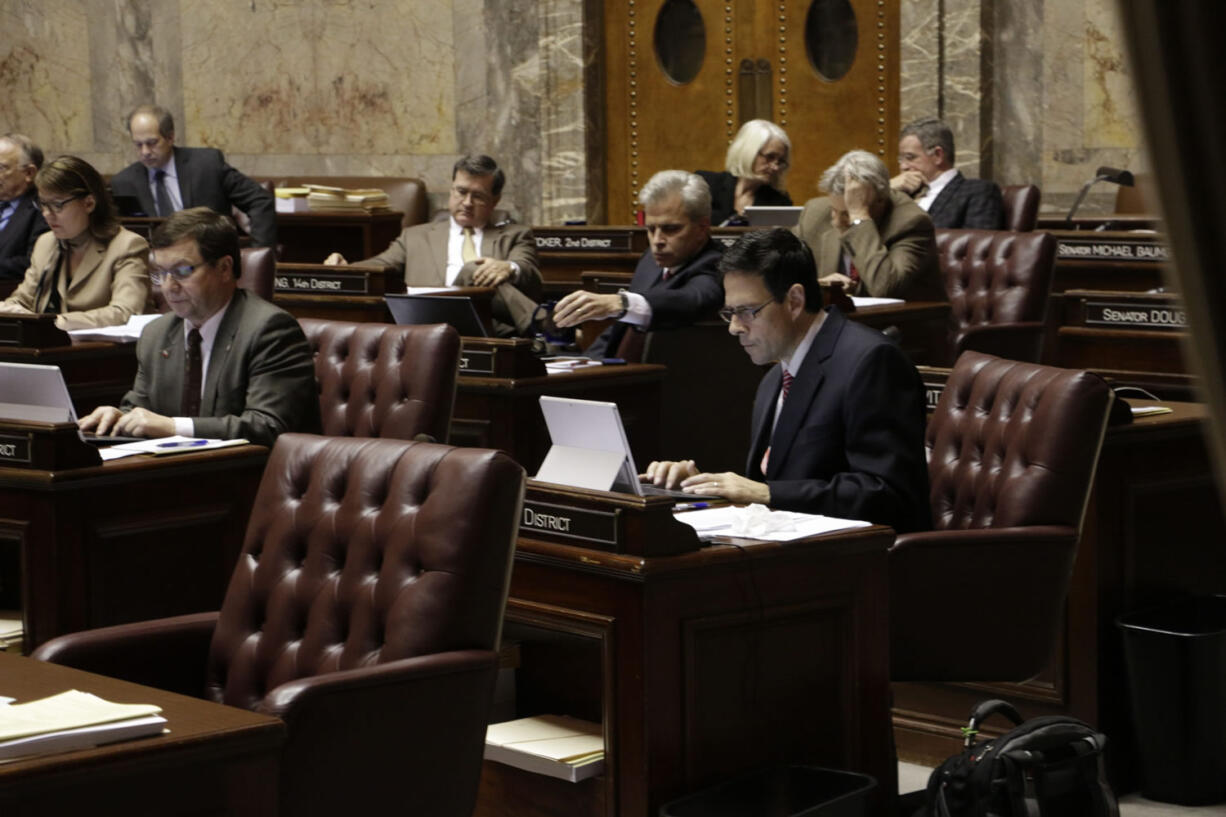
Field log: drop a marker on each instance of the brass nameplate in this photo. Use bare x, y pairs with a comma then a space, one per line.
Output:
569, 241
1162, 315
295, 282
1087, 249
476, 361
14, 449
584, 526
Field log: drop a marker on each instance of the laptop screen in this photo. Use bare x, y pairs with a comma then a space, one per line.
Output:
588, 428
34, 392
772, 216
422, 309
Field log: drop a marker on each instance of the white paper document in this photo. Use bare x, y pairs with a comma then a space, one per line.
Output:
759, 522
863, 301
124, 333
166, 445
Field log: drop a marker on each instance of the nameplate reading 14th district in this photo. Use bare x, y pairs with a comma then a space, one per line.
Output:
297, 282
574, 241
14, 449
584, 526
1141, 315
1104, 249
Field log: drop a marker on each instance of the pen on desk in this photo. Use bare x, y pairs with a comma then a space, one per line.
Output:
183, 443
691, 506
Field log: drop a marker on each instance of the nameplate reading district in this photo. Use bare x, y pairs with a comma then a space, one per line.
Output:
584, 526
331, 284
1136, 315
567, 241
14, 449
476, 362
1086, 249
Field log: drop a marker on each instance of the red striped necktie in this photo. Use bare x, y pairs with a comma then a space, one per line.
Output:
787, 386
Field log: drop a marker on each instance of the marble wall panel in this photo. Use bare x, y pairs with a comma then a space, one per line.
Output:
919, 50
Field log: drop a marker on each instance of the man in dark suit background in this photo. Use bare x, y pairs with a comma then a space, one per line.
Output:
470, 249
168, 178
21, 222
222, 363
676, 281
927, 174
838, 424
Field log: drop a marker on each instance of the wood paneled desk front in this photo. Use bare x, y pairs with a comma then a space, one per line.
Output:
216, 760
96, 373
127, 540
700, 663
309, 238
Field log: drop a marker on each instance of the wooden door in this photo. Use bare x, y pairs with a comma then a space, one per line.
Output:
681, 76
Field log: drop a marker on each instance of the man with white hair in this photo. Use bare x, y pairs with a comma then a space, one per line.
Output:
21, 222
676, 281
873, 240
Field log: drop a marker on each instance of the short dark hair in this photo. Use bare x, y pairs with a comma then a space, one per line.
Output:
73, 176
931, 133
31, 153
780, 259
481, 165
215, 234
166, 122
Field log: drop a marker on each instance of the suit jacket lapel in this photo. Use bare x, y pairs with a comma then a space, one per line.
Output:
764, 412
219, 357
169, 367
90, 259
946, 197
805, 385
437, 239
182, 166
830, 257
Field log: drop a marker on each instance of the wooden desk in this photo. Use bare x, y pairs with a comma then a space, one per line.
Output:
216, 760
498, 394
342, 293
309, 238
1153, 528
1108, 260
701, 664
566, 252
128, 540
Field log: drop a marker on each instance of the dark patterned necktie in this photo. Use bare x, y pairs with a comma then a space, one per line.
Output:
163, 203
190, 405
787, 387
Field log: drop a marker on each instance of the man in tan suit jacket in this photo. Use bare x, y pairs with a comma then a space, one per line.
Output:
875, 241
467, 250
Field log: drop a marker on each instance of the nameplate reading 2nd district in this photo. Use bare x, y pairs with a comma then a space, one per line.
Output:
569, 241
14, 449
296, 282
1087, 249
583, 526
1136, 316
476, 361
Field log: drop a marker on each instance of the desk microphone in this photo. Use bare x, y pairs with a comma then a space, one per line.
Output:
1103, 174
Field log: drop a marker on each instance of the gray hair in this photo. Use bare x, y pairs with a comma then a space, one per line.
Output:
750, 139
31, 154
932, 133
860, 165
695, 195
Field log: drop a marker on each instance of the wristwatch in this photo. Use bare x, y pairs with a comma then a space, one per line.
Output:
621, 293
856, 221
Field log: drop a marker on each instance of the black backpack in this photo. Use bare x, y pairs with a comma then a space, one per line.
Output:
1046, 767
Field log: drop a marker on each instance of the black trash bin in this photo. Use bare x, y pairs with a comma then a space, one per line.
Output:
1176, 657
782, 791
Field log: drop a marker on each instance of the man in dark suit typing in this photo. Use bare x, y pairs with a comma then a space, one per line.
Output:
21, 222
168, 178
676, 281
927, 174
222, 363
838, 423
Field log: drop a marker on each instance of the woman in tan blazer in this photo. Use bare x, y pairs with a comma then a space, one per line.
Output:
88, 270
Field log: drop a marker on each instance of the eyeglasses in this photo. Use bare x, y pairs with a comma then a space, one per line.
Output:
745, 314
478, 196
57, 207
180, 273
779, 160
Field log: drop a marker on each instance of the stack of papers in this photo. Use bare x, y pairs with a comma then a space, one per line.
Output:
324, 199
862, 301
759, 522
124, 333
162, 446
292, 199
72, 720
11, 630
554, 745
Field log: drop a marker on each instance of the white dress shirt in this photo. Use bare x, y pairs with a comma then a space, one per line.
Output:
172, 185
934, 189
208, 333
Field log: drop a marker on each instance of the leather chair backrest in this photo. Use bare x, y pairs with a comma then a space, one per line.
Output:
404, 193
1014, 444
1021, 205
259, 268
384, 380
993, 276
361, 552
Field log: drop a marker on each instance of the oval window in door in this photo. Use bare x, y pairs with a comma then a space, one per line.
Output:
680, 40
831, 36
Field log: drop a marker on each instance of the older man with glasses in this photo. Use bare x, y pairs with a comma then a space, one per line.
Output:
21, 223
838, 423
222, 363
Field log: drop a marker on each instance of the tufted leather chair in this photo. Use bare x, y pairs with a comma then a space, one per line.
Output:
1021, 205
1012, 449
383, 380
365, 611
997, 284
